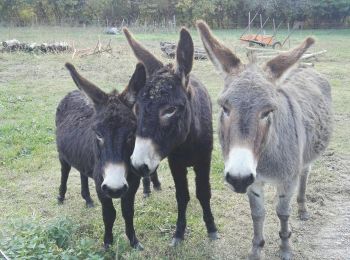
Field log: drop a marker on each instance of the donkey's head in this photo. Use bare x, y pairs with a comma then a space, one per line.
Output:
162, 107
248, 104
113, 129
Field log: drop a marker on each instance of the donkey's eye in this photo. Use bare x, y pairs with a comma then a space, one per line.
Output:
266, 114
226, 111
135, 109
99, 137
170, 111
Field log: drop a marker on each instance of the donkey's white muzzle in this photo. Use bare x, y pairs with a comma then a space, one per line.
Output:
145, 159
114, 183
240, 168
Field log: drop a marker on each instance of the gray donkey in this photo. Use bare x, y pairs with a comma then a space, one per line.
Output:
272, 128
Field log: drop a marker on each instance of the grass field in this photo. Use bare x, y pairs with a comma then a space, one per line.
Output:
33, 226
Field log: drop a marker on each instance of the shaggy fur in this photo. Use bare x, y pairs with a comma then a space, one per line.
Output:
95, 129
186, 137
286, 125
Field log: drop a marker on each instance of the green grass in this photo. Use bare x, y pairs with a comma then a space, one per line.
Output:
33, 226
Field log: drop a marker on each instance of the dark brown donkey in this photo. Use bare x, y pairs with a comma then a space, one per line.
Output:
271, 129
174, 120
95, 134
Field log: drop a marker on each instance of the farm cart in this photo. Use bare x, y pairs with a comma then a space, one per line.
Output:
260, 38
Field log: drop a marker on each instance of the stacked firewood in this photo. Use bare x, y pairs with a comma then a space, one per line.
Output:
169, 50
15, 45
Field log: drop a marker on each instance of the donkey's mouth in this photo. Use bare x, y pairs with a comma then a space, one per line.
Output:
239, 184
234, 189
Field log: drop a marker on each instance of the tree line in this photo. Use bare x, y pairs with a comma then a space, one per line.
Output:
218, 13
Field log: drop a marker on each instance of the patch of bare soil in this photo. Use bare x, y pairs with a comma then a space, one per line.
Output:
332, 239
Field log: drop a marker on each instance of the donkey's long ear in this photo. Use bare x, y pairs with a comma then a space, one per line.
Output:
184, 54
151, 63
278, 65
137, 81
222, 57
97, 96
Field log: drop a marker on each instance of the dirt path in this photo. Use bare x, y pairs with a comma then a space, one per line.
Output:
333, 241
327, 234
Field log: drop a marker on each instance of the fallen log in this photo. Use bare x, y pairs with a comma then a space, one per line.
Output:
306, 64
308, 56
304, 57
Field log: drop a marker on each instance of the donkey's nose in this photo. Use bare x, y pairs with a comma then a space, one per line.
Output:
114, 193
240, 183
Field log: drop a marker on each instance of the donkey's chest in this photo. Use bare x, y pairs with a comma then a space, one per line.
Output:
280, 166
184, 154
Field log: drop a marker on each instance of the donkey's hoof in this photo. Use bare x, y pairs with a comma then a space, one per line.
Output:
90, 204
286, 255
256, 253
304, 215
60, 200
176, 241
146, 195
106, 246
254, 256
213, 235
138, 246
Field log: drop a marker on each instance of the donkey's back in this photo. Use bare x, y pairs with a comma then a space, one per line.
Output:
312, 93
73, 118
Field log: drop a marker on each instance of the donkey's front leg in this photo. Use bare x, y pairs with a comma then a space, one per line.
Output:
285, 193
108, 214
256, 200
179, 173
127, 205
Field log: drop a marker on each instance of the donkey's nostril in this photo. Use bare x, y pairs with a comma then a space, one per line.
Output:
250, 179
104, 188
229, 179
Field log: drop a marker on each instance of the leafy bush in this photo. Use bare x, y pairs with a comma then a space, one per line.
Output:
31, 239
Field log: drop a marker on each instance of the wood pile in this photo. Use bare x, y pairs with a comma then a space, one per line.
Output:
169, 50
15, 45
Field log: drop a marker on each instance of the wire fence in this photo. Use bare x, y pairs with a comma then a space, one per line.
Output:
172, 25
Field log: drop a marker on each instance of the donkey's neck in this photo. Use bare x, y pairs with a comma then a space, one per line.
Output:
283, 150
